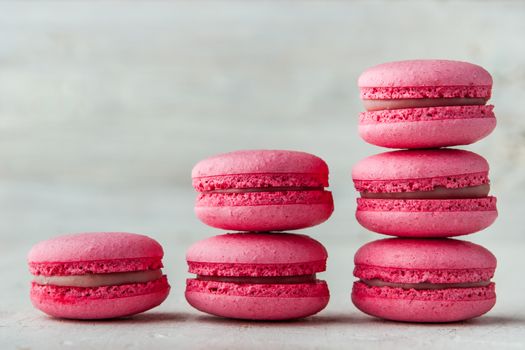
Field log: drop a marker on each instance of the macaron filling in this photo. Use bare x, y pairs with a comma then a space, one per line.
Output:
376, 105
425, 285
99, 280
439, 192
303, 279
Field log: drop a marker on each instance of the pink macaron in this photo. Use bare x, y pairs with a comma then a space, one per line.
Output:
262, 190
97, 275
424, 280
257, 276
424, 193
425, 103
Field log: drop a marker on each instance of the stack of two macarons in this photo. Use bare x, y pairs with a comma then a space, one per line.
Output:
259, 273
424, 194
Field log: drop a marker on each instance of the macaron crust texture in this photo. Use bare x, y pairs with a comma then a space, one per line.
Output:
257, 276
425, 103
97, 275
424, 193
424, 280
262, 190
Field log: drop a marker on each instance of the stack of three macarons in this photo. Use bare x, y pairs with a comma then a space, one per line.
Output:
260, 272
424, 194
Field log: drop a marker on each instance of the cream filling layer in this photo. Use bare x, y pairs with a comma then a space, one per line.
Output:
100, 279
261, 280
379, 283
377, 105
480, 191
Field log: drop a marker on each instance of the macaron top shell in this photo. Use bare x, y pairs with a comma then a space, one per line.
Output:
248, 169
435, 261
257, 248
401, 80
95, 246
95, 252
257, 254
450, 168
407, 253
260, 161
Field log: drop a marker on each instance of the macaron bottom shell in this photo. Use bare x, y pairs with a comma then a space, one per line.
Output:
265, 217
99, 302
424, 218
265, 302
427, 133
426, 224
426, 306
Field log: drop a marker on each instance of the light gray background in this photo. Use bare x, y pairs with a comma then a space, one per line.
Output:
106, 106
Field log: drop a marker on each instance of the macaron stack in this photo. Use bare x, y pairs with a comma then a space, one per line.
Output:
424, 194
260, 273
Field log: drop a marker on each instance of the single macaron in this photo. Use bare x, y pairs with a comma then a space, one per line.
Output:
262, 190
424, 193
97, 275
257, 276
425, 103
424, 280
